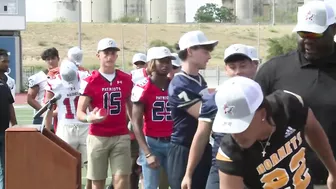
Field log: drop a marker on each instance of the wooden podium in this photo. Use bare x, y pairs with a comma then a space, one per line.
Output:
36, 160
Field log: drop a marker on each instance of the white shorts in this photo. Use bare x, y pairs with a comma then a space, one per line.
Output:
75, 135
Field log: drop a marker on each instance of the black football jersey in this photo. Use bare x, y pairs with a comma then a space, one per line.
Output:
284, 165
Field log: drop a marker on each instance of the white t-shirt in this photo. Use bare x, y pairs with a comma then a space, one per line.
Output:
39, 79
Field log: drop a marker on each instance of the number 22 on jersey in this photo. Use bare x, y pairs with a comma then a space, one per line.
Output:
279, 177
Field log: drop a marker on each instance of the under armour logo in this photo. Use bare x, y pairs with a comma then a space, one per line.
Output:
228, 109
119, 82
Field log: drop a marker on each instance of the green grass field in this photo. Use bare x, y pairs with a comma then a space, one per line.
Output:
24, 114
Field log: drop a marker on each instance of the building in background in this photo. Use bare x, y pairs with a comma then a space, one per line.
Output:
156, 11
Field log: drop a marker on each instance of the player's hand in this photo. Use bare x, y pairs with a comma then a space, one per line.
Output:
97, 115
331, 182
186, 182
153, 162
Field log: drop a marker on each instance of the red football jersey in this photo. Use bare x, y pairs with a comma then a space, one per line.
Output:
111, 96
157, 116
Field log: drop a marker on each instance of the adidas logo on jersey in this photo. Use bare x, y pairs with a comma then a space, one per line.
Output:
289, 131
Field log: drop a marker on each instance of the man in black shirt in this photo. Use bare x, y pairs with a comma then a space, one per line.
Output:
310, 72
264, 142
7, 113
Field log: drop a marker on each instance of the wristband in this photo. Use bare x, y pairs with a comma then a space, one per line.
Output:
148, 155
87, 119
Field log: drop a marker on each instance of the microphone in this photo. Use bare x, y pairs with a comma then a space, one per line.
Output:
52, 101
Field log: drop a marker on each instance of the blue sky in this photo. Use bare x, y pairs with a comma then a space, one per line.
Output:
43, 12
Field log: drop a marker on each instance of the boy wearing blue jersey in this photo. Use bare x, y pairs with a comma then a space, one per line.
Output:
185, 93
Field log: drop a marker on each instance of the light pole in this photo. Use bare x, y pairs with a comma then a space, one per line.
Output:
150, 11
79, 24
273, 12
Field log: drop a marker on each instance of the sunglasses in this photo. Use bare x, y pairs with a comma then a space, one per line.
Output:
175, 67
310, 35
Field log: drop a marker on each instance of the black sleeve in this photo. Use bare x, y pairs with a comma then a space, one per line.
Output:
265, 78
230, 157
296, 110
9, 94
10, 97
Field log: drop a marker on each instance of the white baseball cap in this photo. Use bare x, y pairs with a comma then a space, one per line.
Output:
139, 57
237, 49
75, 54
194, 38
158, 53
253, 53
315, 17
68, 72
107, 43
177, 61
237, 100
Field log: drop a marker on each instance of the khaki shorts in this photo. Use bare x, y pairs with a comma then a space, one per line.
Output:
101, 151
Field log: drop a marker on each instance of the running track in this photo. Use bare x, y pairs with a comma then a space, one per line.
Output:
21, 99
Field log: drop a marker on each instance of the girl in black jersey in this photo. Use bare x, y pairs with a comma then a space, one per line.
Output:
265, 141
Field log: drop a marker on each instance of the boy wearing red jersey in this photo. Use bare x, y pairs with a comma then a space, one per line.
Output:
152, 123
107, 89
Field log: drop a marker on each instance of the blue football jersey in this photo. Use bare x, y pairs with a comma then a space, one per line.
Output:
185, 91
208, 113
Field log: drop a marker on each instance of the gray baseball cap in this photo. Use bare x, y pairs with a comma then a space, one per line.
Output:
68, 72
237, 99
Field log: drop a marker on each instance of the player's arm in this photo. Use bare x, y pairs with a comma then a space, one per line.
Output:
137, 114
318, 141
227, 181
31, 95
12, 114
230, 164
13, 120
84, 101
314, 134
129, 106
49, 116
83, 105
129, 103
138, 110
201, 138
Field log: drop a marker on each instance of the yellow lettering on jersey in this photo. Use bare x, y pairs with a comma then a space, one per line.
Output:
275, 159
279, 177
281, 154
298, 173
111, 89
